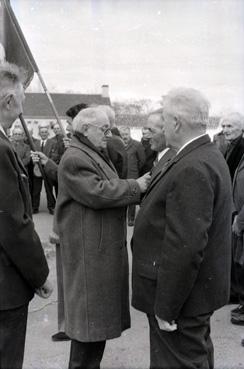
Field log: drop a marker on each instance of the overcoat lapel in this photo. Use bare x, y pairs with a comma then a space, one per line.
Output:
99, 159
192, 146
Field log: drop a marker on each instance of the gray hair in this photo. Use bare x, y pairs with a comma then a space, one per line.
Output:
110, 113
10, 76
236, 118
189, 105
88, 116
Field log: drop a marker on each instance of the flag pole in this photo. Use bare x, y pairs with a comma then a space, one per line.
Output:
32, 62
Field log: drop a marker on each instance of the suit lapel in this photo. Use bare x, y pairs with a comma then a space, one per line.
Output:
192, 146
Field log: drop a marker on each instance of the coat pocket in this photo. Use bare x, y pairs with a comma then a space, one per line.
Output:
147, 270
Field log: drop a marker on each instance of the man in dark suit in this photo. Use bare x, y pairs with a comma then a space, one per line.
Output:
181, 241
49, 148
23, 267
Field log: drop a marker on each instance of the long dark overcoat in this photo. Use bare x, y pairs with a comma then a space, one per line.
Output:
182, 236
90, 218
23, 266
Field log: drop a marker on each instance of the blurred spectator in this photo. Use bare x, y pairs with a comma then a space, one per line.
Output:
22, 149
149, 153
49, 148
232, 126
115, 145
220, 142
30, 166
237, 314
136, 161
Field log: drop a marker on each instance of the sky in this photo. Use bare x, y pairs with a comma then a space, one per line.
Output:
140, 48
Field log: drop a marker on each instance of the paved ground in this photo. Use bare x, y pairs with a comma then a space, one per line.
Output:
128, 352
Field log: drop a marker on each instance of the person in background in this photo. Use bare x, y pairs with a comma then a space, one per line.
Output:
22, 149
220, 141
115, 146
91, 202
182, 239
150, 155
49, 148
23, 266
30, 166
232, 127
135, 162
237, 314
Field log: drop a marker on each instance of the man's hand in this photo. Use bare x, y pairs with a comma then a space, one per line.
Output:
45, 290
235, 228
38, 155
144, 181
166, 326
54, 238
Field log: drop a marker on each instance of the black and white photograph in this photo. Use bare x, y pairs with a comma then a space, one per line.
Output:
121, 184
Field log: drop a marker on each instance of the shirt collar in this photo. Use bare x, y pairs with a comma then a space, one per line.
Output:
190, 141
2, 130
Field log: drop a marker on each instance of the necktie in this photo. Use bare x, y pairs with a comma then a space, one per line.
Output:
42, 146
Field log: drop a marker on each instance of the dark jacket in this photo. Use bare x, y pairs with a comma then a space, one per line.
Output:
150, 156
136, 158
90, 221
50, 149
118, 156
182, 236
234, 154
60, 148
23, 266
23, 151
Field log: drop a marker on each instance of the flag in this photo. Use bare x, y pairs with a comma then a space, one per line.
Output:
12, 42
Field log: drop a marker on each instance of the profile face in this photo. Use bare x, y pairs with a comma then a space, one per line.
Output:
16, 104
231, 129
98, 135
155, 126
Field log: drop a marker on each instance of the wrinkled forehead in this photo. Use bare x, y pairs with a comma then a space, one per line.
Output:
232, 122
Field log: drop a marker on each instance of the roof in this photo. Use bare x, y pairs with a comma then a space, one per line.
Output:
37, 106
139, 120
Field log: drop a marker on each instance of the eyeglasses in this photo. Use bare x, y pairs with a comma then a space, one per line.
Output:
106, 131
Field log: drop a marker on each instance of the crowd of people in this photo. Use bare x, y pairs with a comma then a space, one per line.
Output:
187, 243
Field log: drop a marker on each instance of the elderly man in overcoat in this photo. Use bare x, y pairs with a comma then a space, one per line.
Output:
181, 241
90, 219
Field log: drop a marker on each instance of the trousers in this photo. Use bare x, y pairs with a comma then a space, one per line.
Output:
12, 337
86, 355
189, 347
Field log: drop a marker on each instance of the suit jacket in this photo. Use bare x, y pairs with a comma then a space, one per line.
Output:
23, 151
234, 156
182, 236
50, 149
136, 158
117, 154
23, 266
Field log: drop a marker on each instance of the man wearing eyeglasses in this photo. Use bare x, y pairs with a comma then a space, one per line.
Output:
90, 221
